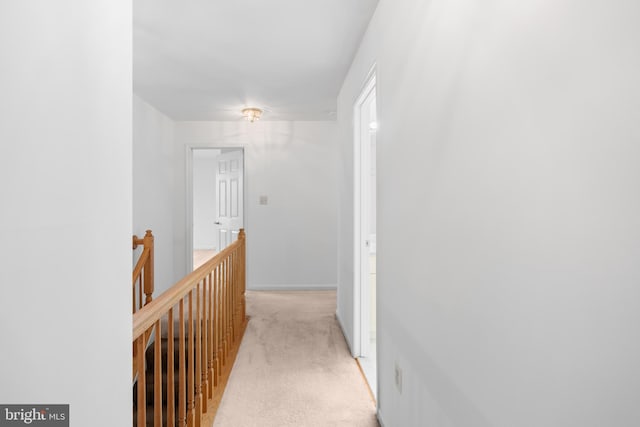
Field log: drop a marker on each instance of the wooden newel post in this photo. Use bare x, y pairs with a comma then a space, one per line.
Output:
243, 271
148, 268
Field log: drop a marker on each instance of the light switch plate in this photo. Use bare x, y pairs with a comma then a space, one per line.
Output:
264, 200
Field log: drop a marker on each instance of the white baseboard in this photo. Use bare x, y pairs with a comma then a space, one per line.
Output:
292, 287
379, 416
344, 334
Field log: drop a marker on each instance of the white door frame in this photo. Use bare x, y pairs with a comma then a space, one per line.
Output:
189, 192
361, 290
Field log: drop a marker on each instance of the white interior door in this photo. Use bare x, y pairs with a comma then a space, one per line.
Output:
229, 197
368, 127
204, 200
365, 285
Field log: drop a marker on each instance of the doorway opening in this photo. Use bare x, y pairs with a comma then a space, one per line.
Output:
217, 201
365, 247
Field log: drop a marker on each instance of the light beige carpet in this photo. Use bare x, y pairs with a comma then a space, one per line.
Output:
294, 368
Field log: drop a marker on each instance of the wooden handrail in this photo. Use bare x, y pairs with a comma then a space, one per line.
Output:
192, 353
150, 313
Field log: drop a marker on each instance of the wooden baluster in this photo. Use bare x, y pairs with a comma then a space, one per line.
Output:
238, 288
239, 294
191, 387
236, 298
232, 259
223, 355
204, 371
236, 292
216, 326
148, 268
198, 357
142, 392
232, 299
205, 345
214, 297
229, 304
232, 268
221, 326
243, 283
226, 304
206, 361
171, 402
140, 297
225, 308
182, 369
157, 377
225, 313
210, 348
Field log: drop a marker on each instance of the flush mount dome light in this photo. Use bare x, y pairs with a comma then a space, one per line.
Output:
252, 114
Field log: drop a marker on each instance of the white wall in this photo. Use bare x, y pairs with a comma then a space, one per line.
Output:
508, 206
153, 187
291, 241
65, 221
204, 199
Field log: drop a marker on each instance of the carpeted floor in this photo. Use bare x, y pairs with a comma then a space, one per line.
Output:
294, 368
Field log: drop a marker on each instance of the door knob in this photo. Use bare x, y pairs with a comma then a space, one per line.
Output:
217, 223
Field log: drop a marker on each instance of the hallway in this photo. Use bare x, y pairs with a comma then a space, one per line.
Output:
294, 368
507, 214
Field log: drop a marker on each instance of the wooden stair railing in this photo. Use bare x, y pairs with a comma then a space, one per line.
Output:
197, 326
143, 278
143, 272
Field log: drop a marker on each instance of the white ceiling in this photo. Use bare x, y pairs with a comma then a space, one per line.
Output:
207, 59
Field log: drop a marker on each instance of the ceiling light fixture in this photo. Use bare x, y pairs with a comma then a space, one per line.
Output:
252, 114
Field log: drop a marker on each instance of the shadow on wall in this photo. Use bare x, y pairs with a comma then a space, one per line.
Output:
456, 405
